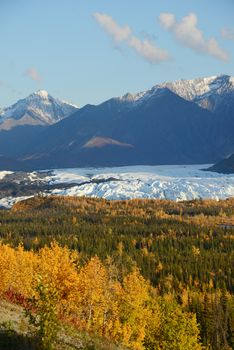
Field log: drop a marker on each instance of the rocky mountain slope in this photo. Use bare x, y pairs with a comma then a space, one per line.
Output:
39, 108
210, 93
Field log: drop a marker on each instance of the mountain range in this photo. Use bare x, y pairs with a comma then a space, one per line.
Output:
182, 122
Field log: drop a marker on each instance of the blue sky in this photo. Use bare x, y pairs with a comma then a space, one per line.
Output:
87, 51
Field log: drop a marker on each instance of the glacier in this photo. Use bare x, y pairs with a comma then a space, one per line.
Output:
177, 182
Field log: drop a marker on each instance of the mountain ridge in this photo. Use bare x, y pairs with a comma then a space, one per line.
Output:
156, 133
158, 126
39, 108
195, 90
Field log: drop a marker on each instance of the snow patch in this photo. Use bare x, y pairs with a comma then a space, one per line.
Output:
42, 93
4, 173
8, 202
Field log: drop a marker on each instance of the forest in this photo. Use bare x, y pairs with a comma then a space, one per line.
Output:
144, 274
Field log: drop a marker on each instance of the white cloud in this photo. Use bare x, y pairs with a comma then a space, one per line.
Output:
33, 74
148, 50
167, 20
188, 34
227, 33
145, 48
111, 27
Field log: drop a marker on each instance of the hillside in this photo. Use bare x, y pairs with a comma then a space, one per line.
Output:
225, 166
124, 263
17, 334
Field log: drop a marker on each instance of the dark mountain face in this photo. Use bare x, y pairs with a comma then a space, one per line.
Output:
226, 166
163, 129
18, 140
156, 127
225, 127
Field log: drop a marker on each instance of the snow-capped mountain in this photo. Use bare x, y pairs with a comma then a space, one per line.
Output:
133, 100
183, 122
39, 108
211, 93
165, 129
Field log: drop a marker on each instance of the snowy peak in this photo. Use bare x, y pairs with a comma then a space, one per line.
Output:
209, 92
136, 99
215, 93
131, 97
41, 94
39, 108
197, 88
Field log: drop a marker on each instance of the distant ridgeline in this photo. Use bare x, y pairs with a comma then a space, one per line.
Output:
182, 122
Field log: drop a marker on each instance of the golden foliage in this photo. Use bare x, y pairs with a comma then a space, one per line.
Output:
93, 299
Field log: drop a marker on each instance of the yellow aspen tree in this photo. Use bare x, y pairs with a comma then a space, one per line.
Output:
57, 267
7, 267
91, 294
25, 267
134, 309
112, 298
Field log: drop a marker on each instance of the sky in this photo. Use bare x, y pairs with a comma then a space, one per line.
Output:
86, 51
